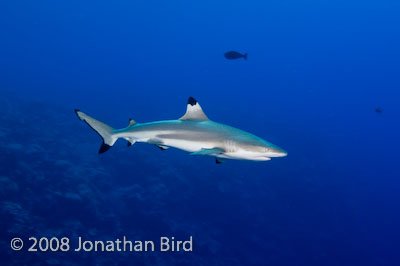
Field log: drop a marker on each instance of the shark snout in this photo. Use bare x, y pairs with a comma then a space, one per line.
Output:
277, 152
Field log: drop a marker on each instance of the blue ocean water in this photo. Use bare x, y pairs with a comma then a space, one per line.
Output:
315, 74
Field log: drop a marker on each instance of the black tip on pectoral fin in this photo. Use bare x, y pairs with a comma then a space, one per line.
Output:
218, 161
104, 147
192, 101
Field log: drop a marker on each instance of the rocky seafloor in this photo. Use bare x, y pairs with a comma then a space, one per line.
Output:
54, 184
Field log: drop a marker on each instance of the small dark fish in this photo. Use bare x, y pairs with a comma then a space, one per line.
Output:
379, 110
235, 55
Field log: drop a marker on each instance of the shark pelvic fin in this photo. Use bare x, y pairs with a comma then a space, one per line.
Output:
219, 160
158, 143
155, 141
194, 111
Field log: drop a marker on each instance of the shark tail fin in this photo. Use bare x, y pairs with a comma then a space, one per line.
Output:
105, 131
245, 56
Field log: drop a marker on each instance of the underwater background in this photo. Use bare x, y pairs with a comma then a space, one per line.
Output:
317, 73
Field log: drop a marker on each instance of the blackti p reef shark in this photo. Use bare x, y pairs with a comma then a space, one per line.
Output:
193, 132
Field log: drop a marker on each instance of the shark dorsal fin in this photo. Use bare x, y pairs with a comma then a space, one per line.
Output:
131, 122
194, 111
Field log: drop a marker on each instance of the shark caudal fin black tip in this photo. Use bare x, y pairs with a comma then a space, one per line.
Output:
77, 113
192, 101
104, 147
104, 131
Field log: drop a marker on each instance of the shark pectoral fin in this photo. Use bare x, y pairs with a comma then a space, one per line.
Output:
219, 160
162, 147
210, 152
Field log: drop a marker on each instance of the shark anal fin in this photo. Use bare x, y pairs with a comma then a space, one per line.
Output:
209, 152
130, 141
162, 147
194, 111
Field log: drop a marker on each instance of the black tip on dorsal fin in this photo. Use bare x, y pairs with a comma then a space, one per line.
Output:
104, 147
194, 111
192, 101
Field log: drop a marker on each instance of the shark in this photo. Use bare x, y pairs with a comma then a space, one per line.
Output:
194, 132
